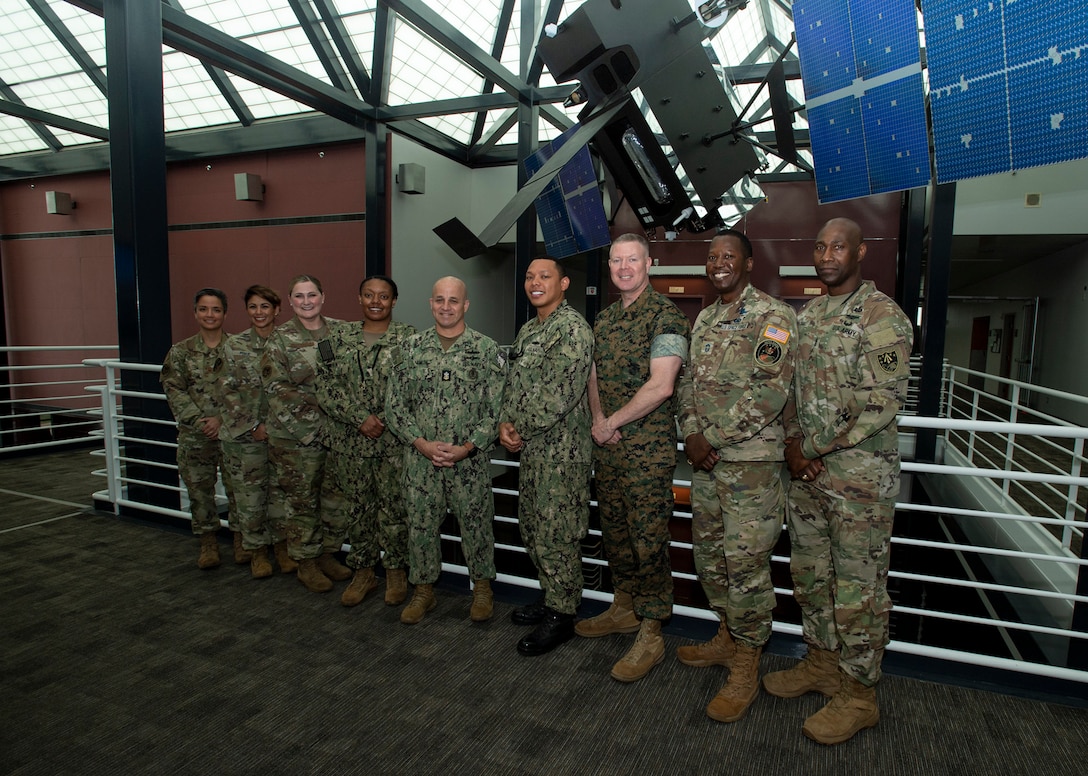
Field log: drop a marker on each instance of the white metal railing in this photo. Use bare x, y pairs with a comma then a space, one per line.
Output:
1024, 552
43, 399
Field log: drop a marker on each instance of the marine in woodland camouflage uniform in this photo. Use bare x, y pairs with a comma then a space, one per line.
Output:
731, 398
842, 450
190, 378
295, 426
449, 399
634, 467
350, 389
545, 414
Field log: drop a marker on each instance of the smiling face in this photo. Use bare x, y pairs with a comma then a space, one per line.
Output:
629, 265
545, 285
377, 301
306, 301
449, 303
837, 256
262, 314
728, 267
209, 313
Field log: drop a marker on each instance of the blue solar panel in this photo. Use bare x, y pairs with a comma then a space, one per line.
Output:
862, 73
570, 210
1008, 84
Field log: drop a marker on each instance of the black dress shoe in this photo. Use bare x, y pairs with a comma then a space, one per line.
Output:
549, 634
530, 614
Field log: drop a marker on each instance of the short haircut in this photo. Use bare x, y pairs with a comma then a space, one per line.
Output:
744, 241
559, 268
305, 279
632, 237
384, 279
264, 292
220, 295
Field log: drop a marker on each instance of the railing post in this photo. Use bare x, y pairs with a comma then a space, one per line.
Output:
109, 439
1073, 494
1010, 441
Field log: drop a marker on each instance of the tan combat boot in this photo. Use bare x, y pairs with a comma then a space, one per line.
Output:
332, 568
242, 556
310, 575
732, 701
287, 564
716, 652
396, 586
209, 551
618, 618
260, 567
818, 672
361, 584
852, 709
483, 602
421, 603
647, 652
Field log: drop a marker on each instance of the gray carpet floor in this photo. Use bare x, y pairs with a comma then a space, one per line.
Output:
119, 656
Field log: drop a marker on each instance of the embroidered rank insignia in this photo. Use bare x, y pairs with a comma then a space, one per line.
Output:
447, 375
888, 361
706, 347
768, 353
776, 334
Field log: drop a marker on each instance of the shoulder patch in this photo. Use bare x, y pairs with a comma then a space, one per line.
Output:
768, 352
776, 333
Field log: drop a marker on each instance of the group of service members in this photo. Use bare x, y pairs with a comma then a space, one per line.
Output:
372, 431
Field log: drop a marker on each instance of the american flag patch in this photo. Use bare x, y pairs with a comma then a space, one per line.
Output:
777, 334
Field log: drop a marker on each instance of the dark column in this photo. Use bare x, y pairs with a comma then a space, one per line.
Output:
935, 314
141, 256
912, 230
528, 123
377, 200
1078, 648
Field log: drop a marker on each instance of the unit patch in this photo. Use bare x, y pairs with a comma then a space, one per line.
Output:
768, 353
888, 360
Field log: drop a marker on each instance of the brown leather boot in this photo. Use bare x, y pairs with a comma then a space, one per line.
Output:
483, 602
852, 709
647, 652
310, 575
260, 567
287, 564
421, 603
361, 584
332, 568
733, 700
819, 672
396, 586
716, 652
242, 556
618, 618
209, 551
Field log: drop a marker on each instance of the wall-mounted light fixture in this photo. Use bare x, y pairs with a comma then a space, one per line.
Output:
412, 178
59, 203
248, 187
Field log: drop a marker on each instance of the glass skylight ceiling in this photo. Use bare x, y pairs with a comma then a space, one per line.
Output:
39, 72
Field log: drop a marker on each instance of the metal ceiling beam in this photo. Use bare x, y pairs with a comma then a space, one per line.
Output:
322, 46
208, 44
502, 30
476, 102
550, 16
65, 37
12, 106
334, 23
433, 25
384, 22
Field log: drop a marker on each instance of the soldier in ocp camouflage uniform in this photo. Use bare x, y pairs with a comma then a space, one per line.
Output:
295, 425
443, 399
641, 344
244, 438
731, 398
843, 452
545, 417
190, 377
365, 460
